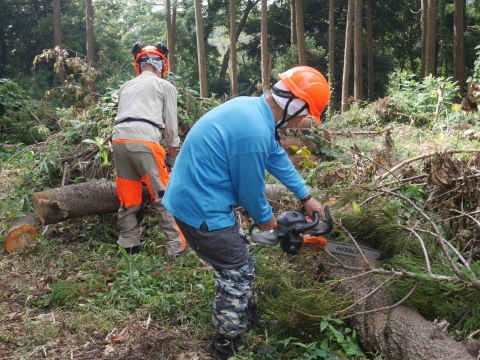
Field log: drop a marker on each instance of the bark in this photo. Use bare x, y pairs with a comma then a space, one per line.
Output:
399, 332
95, 198
170, 35
57, 38
431, 38
293, 26
331, 50
370, 50
357, 51
264, 48
233, 49
90, 38
458, 43
423, 24
347, 56
202, 64
302, 49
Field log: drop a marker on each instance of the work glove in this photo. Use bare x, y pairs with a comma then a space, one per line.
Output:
170, 161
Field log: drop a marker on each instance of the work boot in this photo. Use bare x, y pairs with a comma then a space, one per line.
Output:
134, 250
223, 347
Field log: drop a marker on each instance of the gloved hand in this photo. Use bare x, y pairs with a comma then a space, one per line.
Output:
170, 161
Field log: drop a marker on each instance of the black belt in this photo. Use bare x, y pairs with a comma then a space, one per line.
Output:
142, 120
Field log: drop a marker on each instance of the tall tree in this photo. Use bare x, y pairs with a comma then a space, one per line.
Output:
293, 24
264, 47
331, 48
368, 10
357, 51
57, 39
170, 14
347, 56
299, 20
90, 37
423, 24
202, 63
233, 49
458, 43
431, 38
248, 8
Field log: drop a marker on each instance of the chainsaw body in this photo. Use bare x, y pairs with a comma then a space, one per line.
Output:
295, 233
291, 232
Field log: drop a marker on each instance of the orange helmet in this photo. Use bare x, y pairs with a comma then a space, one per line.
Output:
141, 53
310, 85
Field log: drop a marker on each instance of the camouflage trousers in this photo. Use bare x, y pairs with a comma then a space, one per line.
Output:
228, 252
235, 301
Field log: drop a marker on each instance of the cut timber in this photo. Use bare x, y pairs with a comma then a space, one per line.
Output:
398, 331
23, 232
94, 198
66, 202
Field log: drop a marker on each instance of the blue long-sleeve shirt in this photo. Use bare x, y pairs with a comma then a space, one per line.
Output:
222, 163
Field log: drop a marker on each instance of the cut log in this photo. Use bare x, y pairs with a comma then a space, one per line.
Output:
95, 198
67, 202
399, 332
23, 232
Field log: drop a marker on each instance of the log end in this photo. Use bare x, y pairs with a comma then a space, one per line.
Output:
20, 238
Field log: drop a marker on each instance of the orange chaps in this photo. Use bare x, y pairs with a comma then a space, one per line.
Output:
139, 162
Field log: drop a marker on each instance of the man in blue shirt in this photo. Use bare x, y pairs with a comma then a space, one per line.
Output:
222, 163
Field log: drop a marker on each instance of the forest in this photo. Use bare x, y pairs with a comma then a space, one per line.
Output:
396, 159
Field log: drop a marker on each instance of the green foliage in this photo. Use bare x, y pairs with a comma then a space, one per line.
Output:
34, 121
416, 102
11, 96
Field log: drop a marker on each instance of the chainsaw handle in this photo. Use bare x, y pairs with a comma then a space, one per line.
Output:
314, 223
329, 219
309, 225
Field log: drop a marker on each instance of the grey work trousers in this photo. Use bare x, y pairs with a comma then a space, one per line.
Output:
138, 163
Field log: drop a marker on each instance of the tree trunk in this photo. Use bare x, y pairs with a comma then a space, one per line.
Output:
170, 35
202, 64
357, 51
250, 5
233, 49
302, 49
293, 24
90, 37
399, 332
331, 50
431, 38
347, 56
458, 43
423, 25
264, 48
57, 39
95, 198
370, 50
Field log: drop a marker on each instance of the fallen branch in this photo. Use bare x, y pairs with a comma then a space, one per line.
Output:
425, 156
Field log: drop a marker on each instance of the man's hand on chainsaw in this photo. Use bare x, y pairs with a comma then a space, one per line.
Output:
311, 206
271, 225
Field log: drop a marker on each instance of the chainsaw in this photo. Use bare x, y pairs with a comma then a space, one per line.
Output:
295, 233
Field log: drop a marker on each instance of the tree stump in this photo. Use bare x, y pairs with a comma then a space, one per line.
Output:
22, 233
